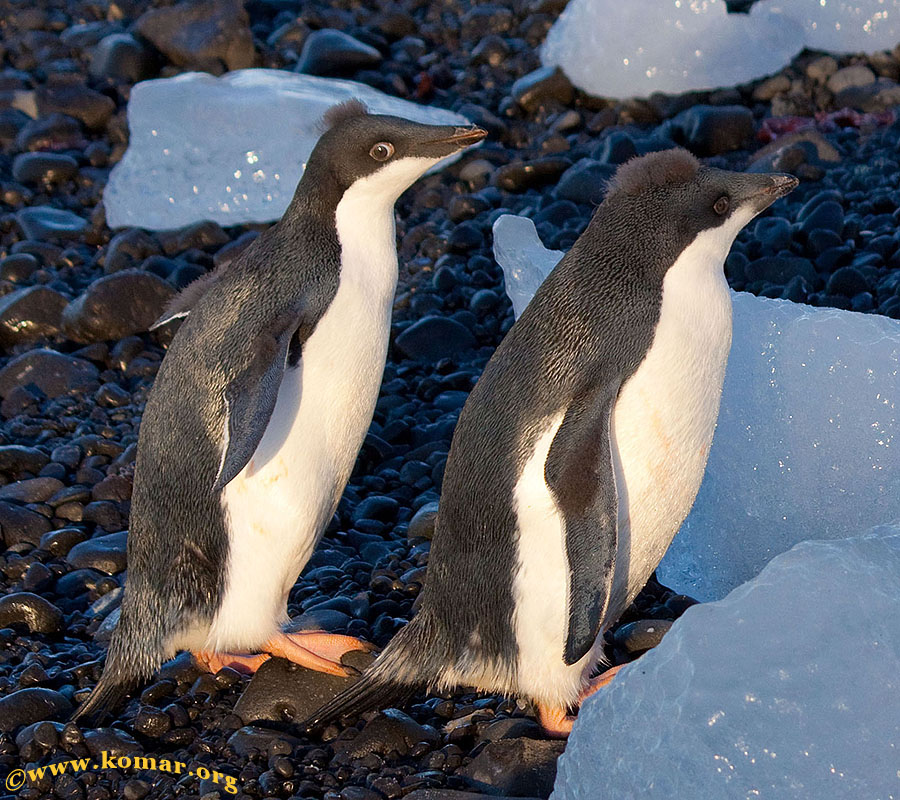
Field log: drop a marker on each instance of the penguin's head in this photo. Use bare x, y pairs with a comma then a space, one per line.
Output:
688, 199
380, 156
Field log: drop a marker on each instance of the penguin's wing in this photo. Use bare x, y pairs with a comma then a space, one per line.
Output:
580, 473
250, 396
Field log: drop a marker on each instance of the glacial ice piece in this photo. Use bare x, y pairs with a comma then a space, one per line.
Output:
846, 26
787, 688
635, 48
807, 442
229, 149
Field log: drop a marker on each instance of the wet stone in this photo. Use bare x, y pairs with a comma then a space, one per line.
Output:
33, 490
712, 130
104, 553
122, 58
18, 267
51, 372
30, 313
282, 691
20, 524
45, 222
537, 88
636, 637
333, 52
392, 731
253, 738
517, 767
117, 306
31, 705
25, 608
205, 34
585, 182
32, 168
433, 338
531, 174
76, 100
52, 132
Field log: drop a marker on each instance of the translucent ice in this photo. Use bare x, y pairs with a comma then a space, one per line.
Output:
846, 26
636, 48
787, 688
807, 443
229, 149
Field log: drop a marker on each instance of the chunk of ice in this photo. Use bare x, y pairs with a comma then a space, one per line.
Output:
616, 49
846, 26
787, 688
635, 48
807, 442
229, 149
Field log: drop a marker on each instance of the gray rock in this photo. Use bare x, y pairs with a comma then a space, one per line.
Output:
18, 267
433, 338
543, 85
201, 34
635, 637
780, 269
849, 77
127, 249
35, 168
53, 373
391, 731
47, 223
75, 100
104, 553
585, 182
712, 130
282, 691
333, 52
251, 737
122, 58
25, 608
32, 490
31, 705
19, 524
766, 90
30, 313
116, 306
821, 69
112, 741
878, 96
515, 767
16, 458
422, 523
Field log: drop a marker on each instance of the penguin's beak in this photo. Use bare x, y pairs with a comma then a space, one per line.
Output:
761, 191
463, 137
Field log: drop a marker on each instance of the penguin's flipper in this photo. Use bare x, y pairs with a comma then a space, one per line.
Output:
580, 473
180, 305
250, 397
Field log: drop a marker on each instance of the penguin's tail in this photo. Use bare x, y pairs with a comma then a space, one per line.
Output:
131, 659
407, 663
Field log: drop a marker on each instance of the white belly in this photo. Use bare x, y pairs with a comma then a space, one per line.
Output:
662, 428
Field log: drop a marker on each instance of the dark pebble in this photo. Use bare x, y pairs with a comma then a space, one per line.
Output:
780, 269
518, 177
53, 373
123, 59
545, 84
104, 553
392, 731
847, 281
333, 52
32, 490
75, 100
30, 313
116, 306
429, 340
616, 148
252, 738
827, 216
20, 524
635, 637
202, 34
45, 222
18, 267
516, 767
585, 182
31, 705
44, 168
16, 458
712, 130
25, 608
281, 691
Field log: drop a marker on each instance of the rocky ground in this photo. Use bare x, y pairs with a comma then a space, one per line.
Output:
77, 362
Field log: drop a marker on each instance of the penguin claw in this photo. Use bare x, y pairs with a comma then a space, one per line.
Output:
556, 722
213, 662
318, 650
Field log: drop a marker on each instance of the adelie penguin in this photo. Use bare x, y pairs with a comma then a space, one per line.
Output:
259, 410
580, 450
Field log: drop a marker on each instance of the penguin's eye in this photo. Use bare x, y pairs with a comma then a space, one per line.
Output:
382, 151
721, 206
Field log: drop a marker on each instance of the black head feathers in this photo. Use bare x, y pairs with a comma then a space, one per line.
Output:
654, 171
341, 112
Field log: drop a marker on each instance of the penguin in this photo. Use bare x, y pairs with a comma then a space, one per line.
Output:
580, 450
259, 409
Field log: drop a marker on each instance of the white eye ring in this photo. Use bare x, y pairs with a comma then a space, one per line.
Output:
382, 151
